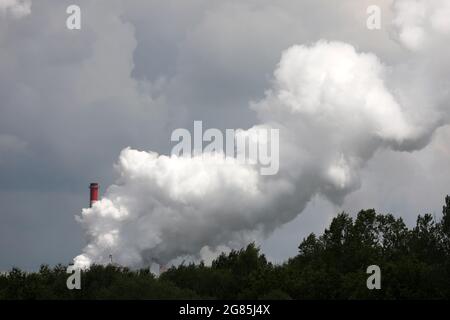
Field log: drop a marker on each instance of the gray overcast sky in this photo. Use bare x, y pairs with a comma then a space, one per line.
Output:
70, 101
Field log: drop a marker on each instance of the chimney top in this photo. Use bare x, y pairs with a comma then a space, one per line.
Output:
94, 193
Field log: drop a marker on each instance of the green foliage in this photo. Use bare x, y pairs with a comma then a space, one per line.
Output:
415, 264
446, 217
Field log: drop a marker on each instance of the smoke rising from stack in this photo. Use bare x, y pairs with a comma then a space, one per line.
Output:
334, 107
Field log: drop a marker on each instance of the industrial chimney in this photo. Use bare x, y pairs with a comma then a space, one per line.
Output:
94, 193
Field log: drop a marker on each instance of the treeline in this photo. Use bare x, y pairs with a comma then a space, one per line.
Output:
414, 263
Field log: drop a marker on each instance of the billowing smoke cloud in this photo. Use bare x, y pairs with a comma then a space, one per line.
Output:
334, 107
17, 8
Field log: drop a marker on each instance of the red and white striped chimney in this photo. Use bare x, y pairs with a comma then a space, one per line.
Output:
94, 193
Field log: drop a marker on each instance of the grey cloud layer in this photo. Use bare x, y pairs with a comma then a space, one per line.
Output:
71, 101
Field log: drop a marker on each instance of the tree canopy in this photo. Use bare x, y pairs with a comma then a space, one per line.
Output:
414, 263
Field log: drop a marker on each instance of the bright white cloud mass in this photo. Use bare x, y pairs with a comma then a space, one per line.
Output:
363, 118
334, 109
421, 22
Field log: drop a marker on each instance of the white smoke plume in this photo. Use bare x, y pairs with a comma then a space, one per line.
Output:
334, 107
17, 8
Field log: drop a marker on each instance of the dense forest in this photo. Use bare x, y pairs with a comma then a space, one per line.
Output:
414, 263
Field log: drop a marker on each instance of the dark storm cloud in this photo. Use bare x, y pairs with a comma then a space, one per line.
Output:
68, 106
71, 100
